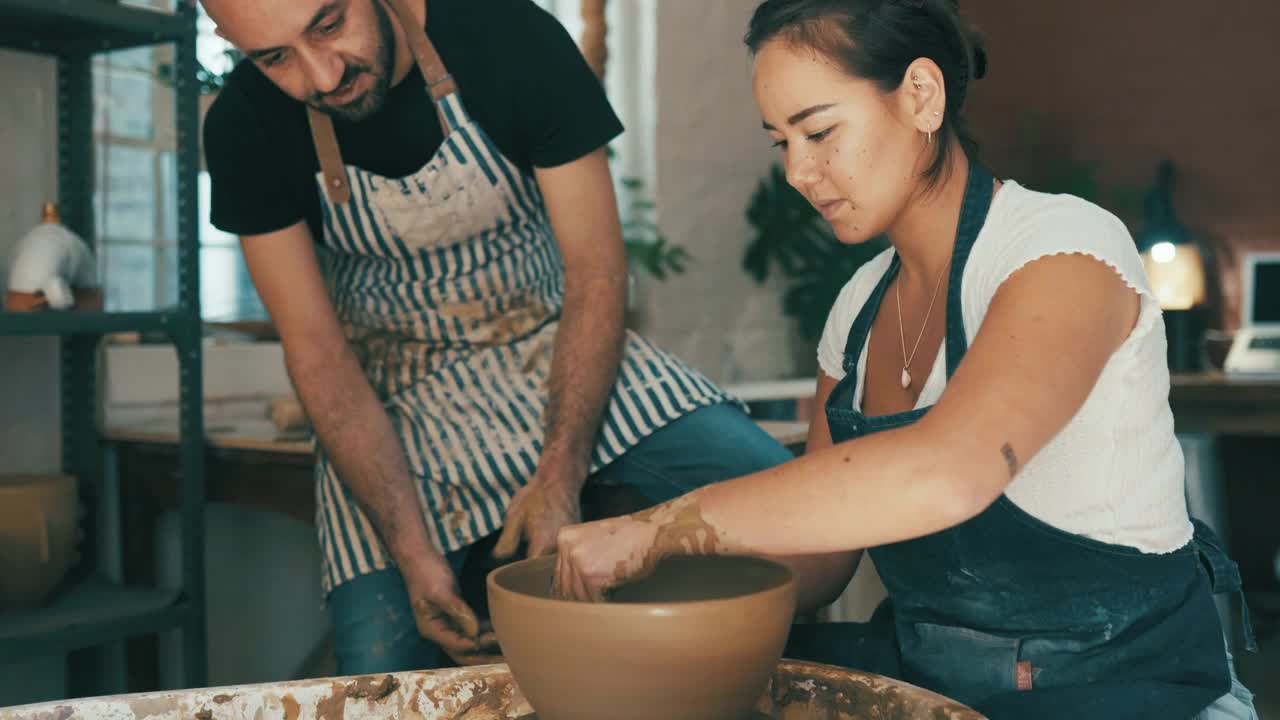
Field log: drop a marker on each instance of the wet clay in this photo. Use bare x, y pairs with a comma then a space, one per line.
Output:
487, 327
456, 612
291, 707
333, 707
798, 689
681, 530
488, 699
372, 688
697, 640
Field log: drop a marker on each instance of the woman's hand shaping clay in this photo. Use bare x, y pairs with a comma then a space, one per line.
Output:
597, 557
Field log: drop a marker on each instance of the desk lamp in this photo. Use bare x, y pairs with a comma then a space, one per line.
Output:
1175, 266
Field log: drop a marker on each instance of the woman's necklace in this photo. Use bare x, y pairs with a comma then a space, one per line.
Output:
906, 360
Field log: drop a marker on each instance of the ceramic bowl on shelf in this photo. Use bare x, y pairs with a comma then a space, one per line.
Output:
38, 523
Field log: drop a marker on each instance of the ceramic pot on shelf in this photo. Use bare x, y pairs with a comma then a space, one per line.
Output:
52, 268
38, 524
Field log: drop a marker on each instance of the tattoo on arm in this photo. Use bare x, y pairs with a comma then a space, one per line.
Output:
1010, 459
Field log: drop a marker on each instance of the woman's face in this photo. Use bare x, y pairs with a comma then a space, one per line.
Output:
851, 149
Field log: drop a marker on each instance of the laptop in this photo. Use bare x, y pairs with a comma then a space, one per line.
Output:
1255, 351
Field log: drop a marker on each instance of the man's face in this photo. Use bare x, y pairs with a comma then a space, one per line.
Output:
335, 55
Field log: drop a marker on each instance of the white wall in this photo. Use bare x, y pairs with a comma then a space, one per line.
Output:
711, 153
265, 617
29, 438
29, 420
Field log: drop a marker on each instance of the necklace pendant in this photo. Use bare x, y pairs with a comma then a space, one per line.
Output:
906, 379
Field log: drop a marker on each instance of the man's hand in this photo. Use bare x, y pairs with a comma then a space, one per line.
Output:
587, 351
537, 513
442, 616
357, 435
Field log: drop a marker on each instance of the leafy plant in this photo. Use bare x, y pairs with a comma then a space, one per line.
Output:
647, 247
210, 81
791, 235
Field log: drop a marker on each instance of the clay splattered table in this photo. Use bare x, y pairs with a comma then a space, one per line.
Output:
797, 691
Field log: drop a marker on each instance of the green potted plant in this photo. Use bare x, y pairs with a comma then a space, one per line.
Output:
647, 248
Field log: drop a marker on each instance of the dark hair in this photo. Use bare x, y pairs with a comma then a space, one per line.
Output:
877, 40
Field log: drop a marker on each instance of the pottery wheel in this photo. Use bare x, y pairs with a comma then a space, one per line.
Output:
754, 715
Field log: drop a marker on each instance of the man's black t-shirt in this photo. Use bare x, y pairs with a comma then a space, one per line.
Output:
519, 74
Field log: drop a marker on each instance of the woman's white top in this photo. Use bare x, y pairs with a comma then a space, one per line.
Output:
1114, 473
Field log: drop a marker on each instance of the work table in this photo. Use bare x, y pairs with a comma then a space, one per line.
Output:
261, 436
251, 463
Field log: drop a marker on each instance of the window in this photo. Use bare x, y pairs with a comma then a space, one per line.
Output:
629, 75
135, 197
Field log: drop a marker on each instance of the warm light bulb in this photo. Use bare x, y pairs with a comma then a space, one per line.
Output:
1164, 252
1176, 278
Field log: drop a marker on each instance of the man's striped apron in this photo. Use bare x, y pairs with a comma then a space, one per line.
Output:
449, 285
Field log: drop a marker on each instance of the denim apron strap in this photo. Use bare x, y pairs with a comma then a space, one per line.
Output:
978, 194
866, 316
1224, 575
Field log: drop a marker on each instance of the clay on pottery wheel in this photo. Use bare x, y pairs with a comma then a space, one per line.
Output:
796, 691
698, 640
37, 537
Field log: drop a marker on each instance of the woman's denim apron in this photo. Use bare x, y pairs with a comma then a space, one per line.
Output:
1020, 619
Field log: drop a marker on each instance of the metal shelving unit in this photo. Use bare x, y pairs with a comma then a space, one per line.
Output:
92, 611
66, 27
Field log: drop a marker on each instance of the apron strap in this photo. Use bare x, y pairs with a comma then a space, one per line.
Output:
326, 142
978, 193
1224, 575
439, 82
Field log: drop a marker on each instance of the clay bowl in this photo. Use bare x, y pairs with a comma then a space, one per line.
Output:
37, 537
698, 640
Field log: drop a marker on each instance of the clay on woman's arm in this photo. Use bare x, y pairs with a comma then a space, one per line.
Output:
681, 530
595, 557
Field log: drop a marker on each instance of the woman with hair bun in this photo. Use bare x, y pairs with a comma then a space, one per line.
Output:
997, 432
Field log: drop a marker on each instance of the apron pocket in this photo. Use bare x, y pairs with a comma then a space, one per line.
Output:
958, 662
442, 206
1062, 658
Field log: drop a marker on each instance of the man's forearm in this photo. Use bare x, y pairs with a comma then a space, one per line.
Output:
358, 438
584, 367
